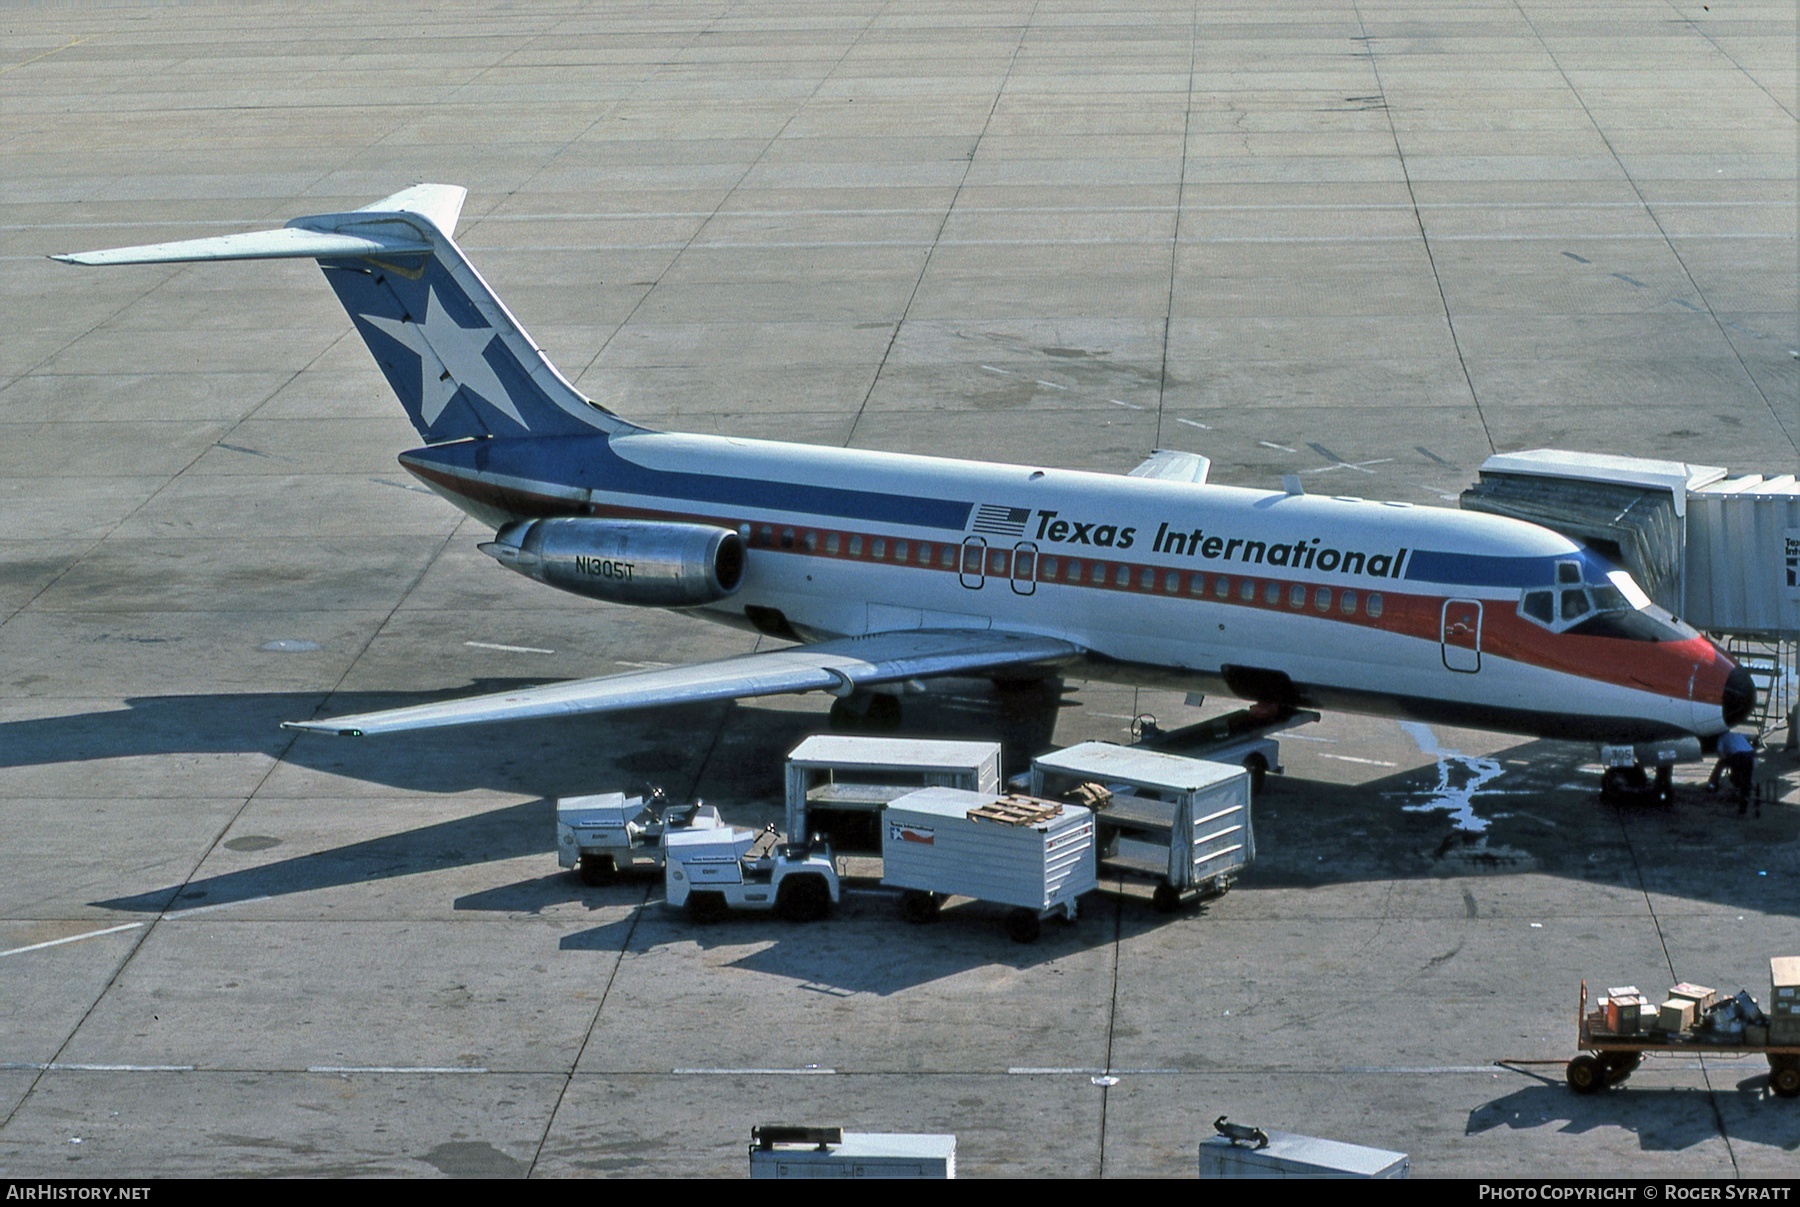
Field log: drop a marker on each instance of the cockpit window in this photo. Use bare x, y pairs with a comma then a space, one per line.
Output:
1616, 608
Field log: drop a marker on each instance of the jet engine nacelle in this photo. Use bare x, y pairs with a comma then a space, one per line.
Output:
625, 561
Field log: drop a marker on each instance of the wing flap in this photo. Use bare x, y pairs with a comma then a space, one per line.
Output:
839, 666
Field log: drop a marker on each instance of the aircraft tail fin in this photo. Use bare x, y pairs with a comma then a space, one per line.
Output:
459, 362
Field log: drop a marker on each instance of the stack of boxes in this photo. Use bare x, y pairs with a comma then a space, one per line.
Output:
1686, 1004
1784, 1000
1624, 1008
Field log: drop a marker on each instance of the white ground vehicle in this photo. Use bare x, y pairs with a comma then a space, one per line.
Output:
609, 833
711, 867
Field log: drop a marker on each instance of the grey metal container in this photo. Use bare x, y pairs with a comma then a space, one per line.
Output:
859, 1155
1184, 821
864, 774
930, 844
1290, 1156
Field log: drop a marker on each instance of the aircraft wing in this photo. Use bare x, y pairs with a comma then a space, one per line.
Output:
1173, 466
840, 667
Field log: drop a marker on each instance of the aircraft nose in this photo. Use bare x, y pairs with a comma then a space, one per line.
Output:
1739, 697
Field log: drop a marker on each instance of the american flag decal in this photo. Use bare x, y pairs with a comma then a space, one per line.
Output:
1001, 521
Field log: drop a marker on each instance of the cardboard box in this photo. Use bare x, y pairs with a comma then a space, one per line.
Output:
1676, 1015
1700, 995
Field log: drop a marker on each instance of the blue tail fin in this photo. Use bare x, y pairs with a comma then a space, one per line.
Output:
458, 360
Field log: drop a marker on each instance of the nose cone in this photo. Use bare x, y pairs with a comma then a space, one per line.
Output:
1738, 699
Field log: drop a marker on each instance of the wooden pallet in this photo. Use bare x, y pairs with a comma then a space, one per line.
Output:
1016, 811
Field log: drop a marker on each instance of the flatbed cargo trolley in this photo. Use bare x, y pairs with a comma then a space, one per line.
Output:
1609, 1059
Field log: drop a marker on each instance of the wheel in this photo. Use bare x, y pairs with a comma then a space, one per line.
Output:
1584, 1074
1616, 1067
1618, 783
703, 909
1166, 899
918, 908
883, 714
1258, 767
1023, 926
803, 899
1784, 1076
598, 870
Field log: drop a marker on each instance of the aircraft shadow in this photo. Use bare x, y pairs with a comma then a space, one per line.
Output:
1542, 814
1529, 808
1664, 1119
508, 833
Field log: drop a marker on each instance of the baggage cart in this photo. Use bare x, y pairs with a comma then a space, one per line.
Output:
1183, 823
838, 785
1036, 856
1608, 1057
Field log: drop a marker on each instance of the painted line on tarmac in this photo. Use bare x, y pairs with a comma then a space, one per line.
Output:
177, 913
808, 1071
510, 649
92, 934
435, 1069
57, 1066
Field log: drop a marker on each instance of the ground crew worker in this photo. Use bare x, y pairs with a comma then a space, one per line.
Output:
1737, 757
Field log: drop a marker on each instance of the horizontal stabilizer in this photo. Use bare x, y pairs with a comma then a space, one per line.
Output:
459, 362
288, 243
839, 666
1172, 466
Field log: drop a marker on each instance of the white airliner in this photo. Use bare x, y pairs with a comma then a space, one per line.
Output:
890, 569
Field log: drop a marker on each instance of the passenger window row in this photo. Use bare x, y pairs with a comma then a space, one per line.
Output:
995, 562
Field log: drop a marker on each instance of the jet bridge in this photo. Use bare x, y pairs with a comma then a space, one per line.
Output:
1720, 551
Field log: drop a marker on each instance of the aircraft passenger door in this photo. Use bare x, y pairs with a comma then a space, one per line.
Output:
1461, 635
1024, 568
974, 563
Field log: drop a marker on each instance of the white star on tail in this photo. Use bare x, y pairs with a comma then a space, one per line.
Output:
450, 356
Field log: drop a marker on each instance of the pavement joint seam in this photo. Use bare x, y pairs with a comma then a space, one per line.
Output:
937, 238
1187, 128
1650, 212
1437, 279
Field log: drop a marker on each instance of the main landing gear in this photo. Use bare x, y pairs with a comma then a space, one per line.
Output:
1634, 785
866, 712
